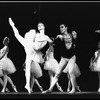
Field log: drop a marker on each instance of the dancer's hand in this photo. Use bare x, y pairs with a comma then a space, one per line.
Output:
11, 22
59, 36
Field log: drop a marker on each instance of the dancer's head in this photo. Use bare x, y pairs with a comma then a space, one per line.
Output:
41, 26
63, 28
5, 41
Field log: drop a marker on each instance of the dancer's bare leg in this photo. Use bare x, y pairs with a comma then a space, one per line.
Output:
32, 83
77, 87
5, 83
27, 74
69, 83
99, 81
12, 84
40, 87
61, 67
2, 83
51, 76
59, 87
72, 79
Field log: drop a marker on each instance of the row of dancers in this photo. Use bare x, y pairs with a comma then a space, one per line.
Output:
33, 42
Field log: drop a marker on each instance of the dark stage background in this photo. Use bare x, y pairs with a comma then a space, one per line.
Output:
83, 17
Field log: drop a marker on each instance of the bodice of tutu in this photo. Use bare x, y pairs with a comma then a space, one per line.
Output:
40, 41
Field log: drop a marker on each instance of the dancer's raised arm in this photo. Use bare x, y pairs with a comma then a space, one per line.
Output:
16, 32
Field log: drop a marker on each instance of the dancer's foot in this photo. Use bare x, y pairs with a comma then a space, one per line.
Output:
14, 87
99, 90
72, 91
31, 90
27, 87
68, 90
60, 89
7, 90
3, 90
47, 91
78, 88
41, 89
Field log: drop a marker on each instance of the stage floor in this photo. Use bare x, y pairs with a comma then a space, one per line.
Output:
53, 95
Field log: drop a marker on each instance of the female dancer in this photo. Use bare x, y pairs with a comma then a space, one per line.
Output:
32, 43
6, 65
95, 63
51, 64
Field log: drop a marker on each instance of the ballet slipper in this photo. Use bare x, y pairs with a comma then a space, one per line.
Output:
2, 91
14, 87
7, 90
72, 91
47, 91
99, 90
68, 90
60, 89
41, 89
78, 88
27, 87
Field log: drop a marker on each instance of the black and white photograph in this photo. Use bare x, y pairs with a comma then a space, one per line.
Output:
49, 49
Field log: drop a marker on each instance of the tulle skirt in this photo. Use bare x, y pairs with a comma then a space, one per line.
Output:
72, 67
51, 64
36, 69
7, 65
1, 73
37, 57
95, 66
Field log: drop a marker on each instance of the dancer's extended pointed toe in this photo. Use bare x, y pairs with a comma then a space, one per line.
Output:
47, 91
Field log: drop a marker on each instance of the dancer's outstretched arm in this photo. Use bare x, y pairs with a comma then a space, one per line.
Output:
16, 32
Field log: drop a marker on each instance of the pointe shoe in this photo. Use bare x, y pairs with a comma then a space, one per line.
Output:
14, 87
41, 89
28, 88
98, 90
31, 90
60, 89
68, 90
2, 91
78, 88
72, 91
7, 90
47, 91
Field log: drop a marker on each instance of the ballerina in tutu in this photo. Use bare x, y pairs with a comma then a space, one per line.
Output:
41, 40
95, 63
32, 44
6, 65
51, 64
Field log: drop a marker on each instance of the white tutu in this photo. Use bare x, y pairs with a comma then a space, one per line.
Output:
7, 65
37, 57
36, 69
72, 67
51, 64
96, 65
